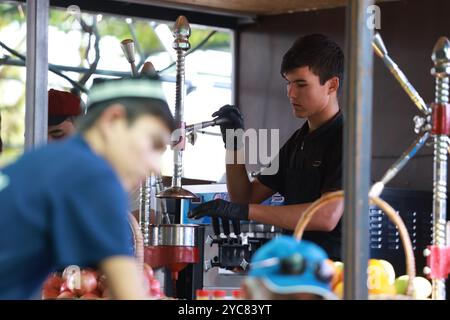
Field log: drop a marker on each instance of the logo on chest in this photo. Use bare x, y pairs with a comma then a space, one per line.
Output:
316, 163
4, 181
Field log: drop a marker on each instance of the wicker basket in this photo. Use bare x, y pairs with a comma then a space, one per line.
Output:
138, 240
391, 214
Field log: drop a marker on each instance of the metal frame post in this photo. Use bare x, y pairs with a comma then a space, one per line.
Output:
37, 73
357, 148
441, 108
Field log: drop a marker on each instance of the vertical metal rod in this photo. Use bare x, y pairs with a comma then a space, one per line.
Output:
441, 70
162, 214
182, 32
235, 66
36, 106
357, 148
127, 46
144, 208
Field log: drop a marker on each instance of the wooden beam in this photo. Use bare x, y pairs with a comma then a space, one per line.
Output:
252, 7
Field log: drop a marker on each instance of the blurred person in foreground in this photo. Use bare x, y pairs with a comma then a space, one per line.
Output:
74, 211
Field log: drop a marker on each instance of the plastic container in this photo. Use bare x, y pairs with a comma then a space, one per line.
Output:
202, 294
219, 295
237, 295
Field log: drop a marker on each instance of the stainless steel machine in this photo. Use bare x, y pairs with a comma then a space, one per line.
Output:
228, 247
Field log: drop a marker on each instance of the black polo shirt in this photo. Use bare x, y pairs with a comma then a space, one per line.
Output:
310, 164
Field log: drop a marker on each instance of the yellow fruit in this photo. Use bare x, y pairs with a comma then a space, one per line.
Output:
339, 265
339, 290
379, 279
390, 290
389, 269
339, 277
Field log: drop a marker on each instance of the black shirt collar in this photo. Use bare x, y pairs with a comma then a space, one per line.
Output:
335, 121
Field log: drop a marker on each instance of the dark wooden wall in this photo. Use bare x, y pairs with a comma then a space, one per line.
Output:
409, 28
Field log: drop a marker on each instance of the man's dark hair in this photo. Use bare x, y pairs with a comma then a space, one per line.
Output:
322, 55
134, 108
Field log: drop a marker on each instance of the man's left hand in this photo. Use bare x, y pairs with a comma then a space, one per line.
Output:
222, 209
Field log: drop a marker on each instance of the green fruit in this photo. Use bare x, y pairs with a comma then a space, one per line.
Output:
401, 284
421, 286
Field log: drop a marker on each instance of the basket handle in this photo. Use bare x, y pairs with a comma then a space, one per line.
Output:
138, 240
383, 205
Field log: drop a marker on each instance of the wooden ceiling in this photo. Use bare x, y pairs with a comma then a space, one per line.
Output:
249, 7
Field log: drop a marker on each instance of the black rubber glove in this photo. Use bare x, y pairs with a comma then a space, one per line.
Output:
234, 120
220, 208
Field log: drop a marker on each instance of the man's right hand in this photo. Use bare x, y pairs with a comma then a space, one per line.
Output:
125, 280
220, 208
233, 120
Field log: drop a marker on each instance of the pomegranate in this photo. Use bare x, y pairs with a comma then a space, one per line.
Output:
53, 282
66, 295
49, 293
64, 287
101, 283
82, 283
90, 296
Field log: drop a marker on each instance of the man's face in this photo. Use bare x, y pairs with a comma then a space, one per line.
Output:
60, 131
306, 95
135, 149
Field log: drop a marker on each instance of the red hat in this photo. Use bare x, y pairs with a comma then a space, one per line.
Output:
62, 105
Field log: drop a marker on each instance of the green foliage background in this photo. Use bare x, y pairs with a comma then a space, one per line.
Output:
12, 116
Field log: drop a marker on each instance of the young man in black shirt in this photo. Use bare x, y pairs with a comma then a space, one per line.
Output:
310, 162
